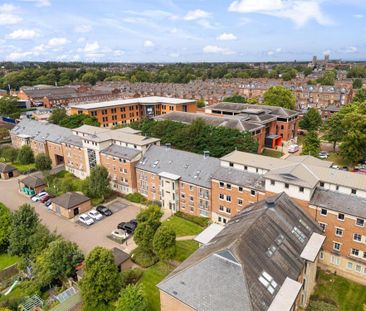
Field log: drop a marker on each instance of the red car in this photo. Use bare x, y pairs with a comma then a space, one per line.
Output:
45, 198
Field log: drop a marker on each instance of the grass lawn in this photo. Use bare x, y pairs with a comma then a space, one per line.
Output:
21, 167
6, 260
150, 278
183, 227
272, 153
185, 249
348, 295
16, 293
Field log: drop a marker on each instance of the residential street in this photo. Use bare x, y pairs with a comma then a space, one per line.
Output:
86, 238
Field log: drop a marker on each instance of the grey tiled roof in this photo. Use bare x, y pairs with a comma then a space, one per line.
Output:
33, 181
340, 202
121, 152
70, 199
193, 168
40, 131
6, 168
74, 140
227, 269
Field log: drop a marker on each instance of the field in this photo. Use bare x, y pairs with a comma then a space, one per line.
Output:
183, 227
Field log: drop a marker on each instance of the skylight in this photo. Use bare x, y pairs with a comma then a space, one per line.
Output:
299, 234
268, 282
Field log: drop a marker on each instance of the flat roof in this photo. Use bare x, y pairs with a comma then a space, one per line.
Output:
286, 296
312, 248
140, 100
169, 175
208, 234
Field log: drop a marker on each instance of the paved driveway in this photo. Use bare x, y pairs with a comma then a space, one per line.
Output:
86, 238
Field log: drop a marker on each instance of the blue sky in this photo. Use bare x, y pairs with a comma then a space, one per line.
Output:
181, 30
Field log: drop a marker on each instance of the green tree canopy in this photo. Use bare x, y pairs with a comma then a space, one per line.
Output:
201, 103
164, 243
78, 120
311, 144
101, 281
131, 298
360, 96
279, 96
328, 78
43, 162
8, 105
311, 120
235, 99
357, 72
9, 153
25, 155
334, 131
58, 261
5, 227
357, 83
58, 115
98, 182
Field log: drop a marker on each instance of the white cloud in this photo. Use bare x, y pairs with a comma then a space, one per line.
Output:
55, 42
270, 53
148, 44
326, 52
298, 11
19, 55
91, 47
226, 37
205, 23
83, 28
39, 3
8, 15
23, 34
351, 49
196, 14
214, 49
358, 16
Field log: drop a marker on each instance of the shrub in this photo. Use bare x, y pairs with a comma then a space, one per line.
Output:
144, 258
25, 155
131, 276
43, 162
317, 305
201, 221
136, 198
164, 242
9, 153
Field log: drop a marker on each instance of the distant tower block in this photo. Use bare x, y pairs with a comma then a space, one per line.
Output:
326, 58
314, 60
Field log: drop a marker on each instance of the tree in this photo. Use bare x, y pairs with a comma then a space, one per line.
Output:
40, 240
9, 153
311, 144
164, 242
24, 224
58, 261
101, 281
8, 105
5, 227
334, 131
131, 298
357, 83
311, 120
58, 115
201, 103
328, 78
25, 155
4, 133
98, 182
90, 77
43, 162
77, 120
357, 72
235, 99
360, 96
279, 96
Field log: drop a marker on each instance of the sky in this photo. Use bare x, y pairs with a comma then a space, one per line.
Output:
181, 30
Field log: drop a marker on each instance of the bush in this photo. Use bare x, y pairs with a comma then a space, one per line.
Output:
25, 155
43, 162
317, 305
164, 243
9, 153
131, 276
201, 221
143, 257
136, 198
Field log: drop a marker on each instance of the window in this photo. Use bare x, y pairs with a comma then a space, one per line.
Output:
336, 246
224, 220
228, 198
273, 182
322, 226
321, 255
221, 208
353, 191
358, 268
340, 216
360, 222
335, 260
240, 201
301, 189
222, 197
219, 219
222, 185
321, 184
190, 188
323, 212
349, 265
339, 232
268, 282
299, 234
228, 210
287, 186
252, 192
355, 252
228, 186
240, 189
231, 164
357, 237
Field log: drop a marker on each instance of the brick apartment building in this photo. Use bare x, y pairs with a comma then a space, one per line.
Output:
216, 188
125, 111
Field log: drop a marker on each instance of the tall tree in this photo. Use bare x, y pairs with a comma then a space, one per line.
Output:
279, 96
25, 155
311, 120
334, 130
43, 162
98, 186
101, 281
58, 115
357, 83
58, 261
5, 227
8, 105
131, 298
311, 144
164, 242
360, 96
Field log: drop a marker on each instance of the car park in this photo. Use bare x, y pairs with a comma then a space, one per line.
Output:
323, 155
95, 215
38, 196
293, 148
120, 234
104, 210
85, 219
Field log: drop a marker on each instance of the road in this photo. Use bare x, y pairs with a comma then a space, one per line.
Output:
86, 238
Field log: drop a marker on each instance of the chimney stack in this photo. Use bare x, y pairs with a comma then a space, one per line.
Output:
206, 154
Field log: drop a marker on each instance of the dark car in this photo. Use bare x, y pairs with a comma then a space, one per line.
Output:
133, 222
126, 226
104, 210
45, 198
48, 203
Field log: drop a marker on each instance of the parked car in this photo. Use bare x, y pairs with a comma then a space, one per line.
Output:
127, 226
293, 148
48, 202
120, 234
44, 198
38, 196
134, 222
323, 155
104, 210
95, 215
85, 219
